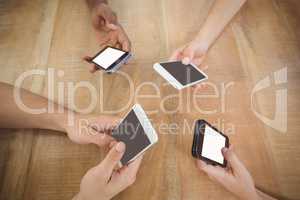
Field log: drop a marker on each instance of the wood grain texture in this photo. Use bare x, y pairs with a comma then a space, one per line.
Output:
263, 38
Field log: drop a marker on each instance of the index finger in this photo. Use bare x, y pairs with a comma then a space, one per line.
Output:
92, 67
110, 17
176, 54
126, 45
124, 40
135, 165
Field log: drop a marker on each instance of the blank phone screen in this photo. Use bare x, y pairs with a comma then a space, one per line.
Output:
131, 132
185, 74
213, 142
109, 56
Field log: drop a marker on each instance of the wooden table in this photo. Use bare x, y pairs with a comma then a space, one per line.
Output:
263, 38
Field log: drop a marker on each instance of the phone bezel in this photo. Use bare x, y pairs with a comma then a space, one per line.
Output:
118, 61
172, 80
198, 142
147, 126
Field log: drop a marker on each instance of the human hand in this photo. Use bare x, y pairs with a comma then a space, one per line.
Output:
108, 31
107, 28
193, 52
104, 182
90, 129
235, 178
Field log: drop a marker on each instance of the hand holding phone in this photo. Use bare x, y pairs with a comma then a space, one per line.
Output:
137, 132
208, 143
109, 59
235, 178
180, 75
192, 52
103, 182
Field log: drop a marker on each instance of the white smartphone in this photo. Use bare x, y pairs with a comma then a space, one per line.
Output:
137, 132
110, 59
179, 75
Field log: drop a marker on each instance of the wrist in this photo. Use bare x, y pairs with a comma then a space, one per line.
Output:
59, 119
55, 122
200, 45
203, 41
94, 3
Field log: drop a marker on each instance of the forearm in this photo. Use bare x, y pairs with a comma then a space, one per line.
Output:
19, 113
92, 3
219, 16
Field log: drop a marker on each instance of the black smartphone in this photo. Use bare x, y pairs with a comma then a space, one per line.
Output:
208, 143
110, 59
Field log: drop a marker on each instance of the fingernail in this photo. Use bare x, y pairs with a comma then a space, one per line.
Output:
225, 149
111, 144
186, 61
113, 26
120, 147
201, 164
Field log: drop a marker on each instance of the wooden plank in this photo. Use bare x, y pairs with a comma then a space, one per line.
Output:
264, 51
263, 38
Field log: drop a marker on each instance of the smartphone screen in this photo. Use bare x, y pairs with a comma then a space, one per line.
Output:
185, 74
108, 57
132, 133
213, 142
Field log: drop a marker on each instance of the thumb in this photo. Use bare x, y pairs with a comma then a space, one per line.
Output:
234, 162
214, 173
87, 59
112, 26
176, 54
112, 158
188, 56
109, 16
